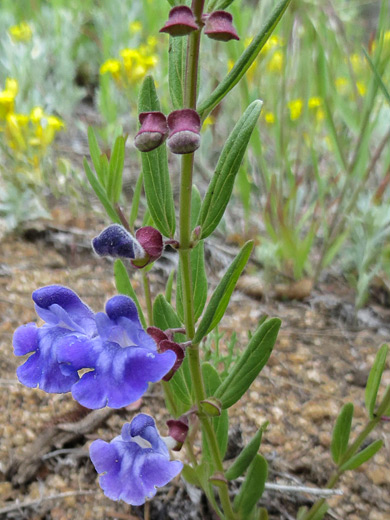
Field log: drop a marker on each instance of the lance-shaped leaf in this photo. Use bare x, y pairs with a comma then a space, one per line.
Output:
123, 286
176, 69
252, 488
220, 424
199, 283
319, 515
362, 457
221, 296
250, 364
246, 456
341, 432
245, 61
135, 202
157, 184
374, 379
222, 182
115, 170
96, 155
101, 193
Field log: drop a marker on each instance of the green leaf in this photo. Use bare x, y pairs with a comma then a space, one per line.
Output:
245, 60
341, 432
362, 457
196, 203
246, 456
95, 155
382, 86
123, 286
222, 182
164, 317
374, 379
252, 488
136, 199
199, 283
319, 515
176, 70
221, 296
220, 424
115, 170
189, 474
157, 184
100, 192
250, 364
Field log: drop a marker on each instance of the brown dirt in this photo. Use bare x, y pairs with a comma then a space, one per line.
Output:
320, 362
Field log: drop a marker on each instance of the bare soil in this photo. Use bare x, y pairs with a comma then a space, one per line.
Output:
321, 361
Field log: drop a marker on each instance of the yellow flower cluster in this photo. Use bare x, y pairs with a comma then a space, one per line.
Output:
27, 135
295, 108
133, 64
20, 33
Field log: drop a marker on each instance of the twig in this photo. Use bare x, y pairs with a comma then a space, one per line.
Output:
303, 489
15, 506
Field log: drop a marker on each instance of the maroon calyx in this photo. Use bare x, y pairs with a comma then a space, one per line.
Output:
165, 343
178, 430
184, 131
181, 21
152, 243
153, 131
219, 26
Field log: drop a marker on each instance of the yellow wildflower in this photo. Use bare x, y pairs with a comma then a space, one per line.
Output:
295, 107
20, 33
272, 42
314, 102
16, 131
386, 36
320, 115
269, 118
6, 103
112, 66
36, 115
341, 84
230, 64
276, 62
11, 85
357, 62
209, 121
135, 27
361, 87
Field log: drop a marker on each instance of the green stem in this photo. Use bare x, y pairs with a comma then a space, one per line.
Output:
148, 298
187, 165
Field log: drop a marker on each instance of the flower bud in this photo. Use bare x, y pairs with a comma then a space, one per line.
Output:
117, 242
219, 26
178, 429
153, 131
184, 131
181, 21
151, 242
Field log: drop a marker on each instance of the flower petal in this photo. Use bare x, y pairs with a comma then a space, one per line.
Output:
120, 376
25, 339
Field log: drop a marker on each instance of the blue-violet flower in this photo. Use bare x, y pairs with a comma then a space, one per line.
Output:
133, 464
119, 358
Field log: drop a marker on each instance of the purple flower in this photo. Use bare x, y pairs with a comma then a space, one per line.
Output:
66, 316
119, 356
116, 241
133, 464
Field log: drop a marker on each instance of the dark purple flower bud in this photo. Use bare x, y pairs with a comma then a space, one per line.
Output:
153, 131
151, 241
178, 429
157, 334
135, 463
117, 242
181, 21
219, 26
184, 131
